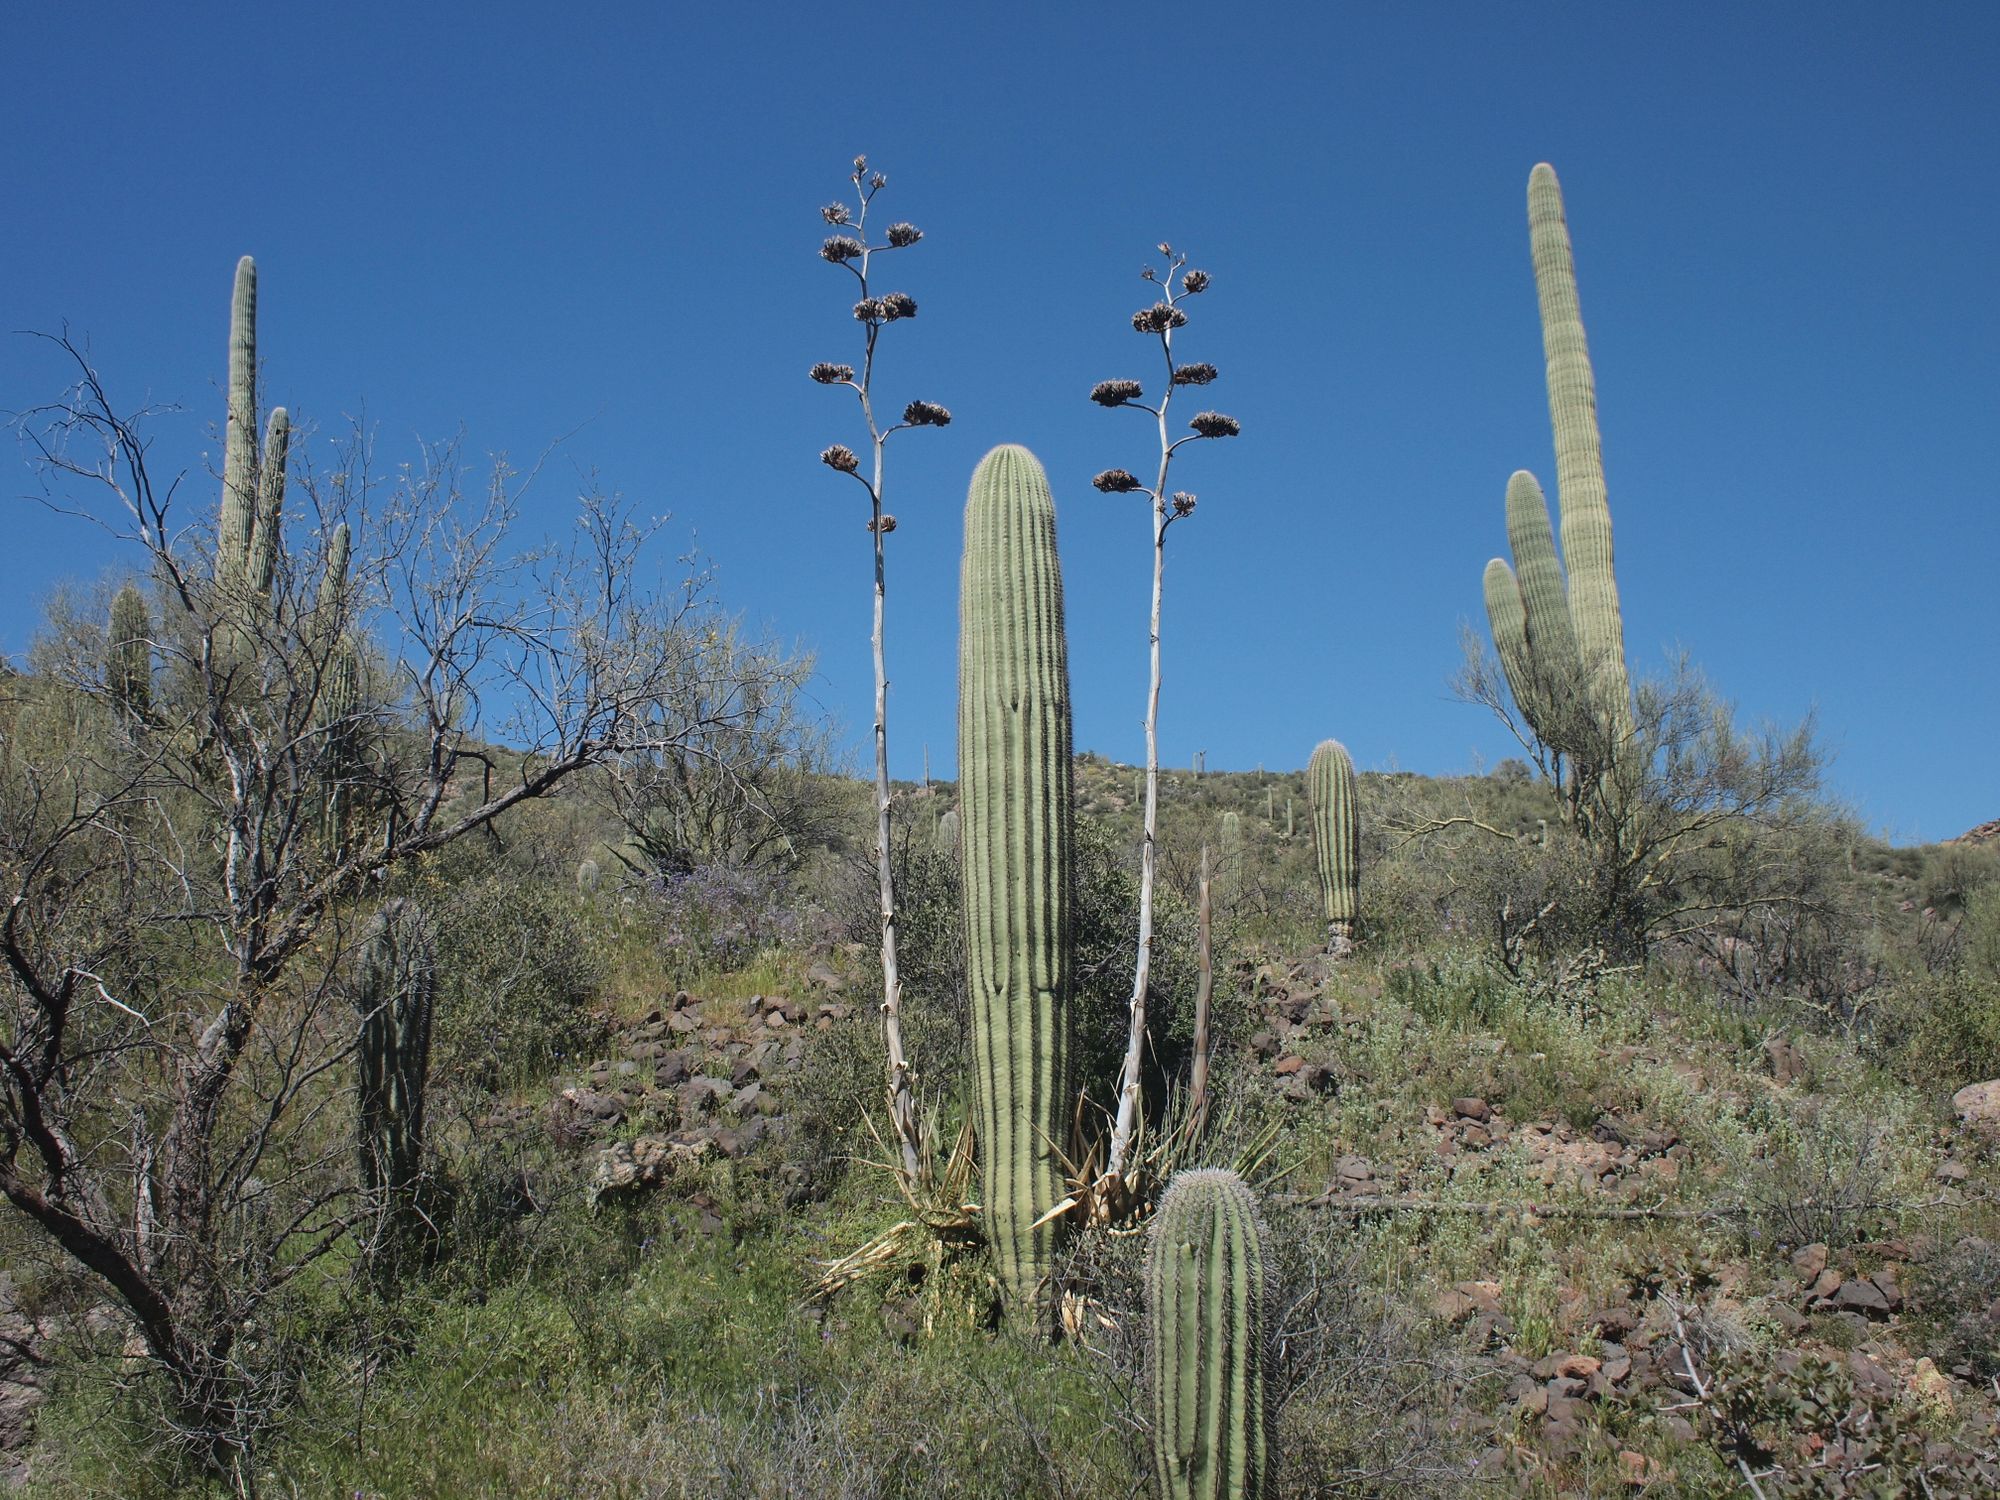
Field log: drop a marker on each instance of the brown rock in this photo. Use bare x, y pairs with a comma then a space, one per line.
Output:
1471, 1108
1978, 1105
1286, 1066
1809, 1262
1577, 1366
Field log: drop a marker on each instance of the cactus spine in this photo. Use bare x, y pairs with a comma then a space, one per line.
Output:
128, 665
1015, 839
393, 994
1209, 1345
1336, 840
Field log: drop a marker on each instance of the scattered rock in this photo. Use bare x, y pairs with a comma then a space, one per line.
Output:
1472, 1109
1978, 1105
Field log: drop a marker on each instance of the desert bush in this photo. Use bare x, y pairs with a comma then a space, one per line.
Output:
1938, 1032
518, 970
1957, 1303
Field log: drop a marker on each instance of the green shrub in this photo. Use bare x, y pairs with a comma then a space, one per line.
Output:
518, 970
1939, 1032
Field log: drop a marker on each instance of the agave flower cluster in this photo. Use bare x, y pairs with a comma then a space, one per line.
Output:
1161, 320
851, 248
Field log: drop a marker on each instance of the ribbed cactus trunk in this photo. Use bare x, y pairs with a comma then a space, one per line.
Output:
239, 433
265, 531
1534, 632
393, 993
947, 834
128, 664
1015, 839
339, 666
1210, 1341
1580, 492
1336, 825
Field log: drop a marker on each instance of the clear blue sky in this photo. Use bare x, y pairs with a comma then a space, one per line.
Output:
521, 222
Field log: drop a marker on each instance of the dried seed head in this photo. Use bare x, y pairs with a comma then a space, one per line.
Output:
860, 166
886, 525
1194, 281
834, 213
827, 374
1146, 274
1116, 392
1195, 374
1183, 503
841, 248
1166, 250
901, 235
1117, 482
898, 305
1158, 318
878, 181
841, 457
926, 414
1213, 424
867, 310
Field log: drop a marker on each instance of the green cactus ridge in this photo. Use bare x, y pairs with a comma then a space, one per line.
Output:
1210, 1341
1580, 489
1336, 835
128, 667
1016, 851
393, 993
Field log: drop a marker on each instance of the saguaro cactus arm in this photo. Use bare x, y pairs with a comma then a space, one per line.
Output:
239, 433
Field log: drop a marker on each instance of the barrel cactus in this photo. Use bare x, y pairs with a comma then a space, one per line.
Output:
393, 993
1561, 644
1336, 840
1015, 839
128, 664
1210, 1341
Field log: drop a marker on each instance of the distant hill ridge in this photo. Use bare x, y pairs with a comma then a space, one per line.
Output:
1985, 833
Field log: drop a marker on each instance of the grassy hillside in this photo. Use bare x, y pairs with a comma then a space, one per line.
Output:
1559, 1227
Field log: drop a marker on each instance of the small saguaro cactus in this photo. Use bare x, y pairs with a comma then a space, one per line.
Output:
947, 834
393, 993
1210, 1341
1336, 841
1016, 852
128, 665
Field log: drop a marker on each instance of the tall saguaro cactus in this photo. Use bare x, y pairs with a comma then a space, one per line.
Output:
393, 993
1336, 827
239, 433
1561, 641
1586, 512
1016, 852
1210, 1345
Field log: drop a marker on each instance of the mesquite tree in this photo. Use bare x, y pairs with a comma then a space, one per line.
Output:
849, 246
1176, 283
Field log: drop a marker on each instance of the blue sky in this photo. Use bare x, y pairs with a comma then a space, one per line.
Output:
523, 224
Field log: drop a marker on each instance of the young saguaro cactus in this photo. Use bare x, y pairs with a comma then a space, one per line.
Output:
1209, 1341
1016, 835
393, 993
1336, 840
128, 666
239, 433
